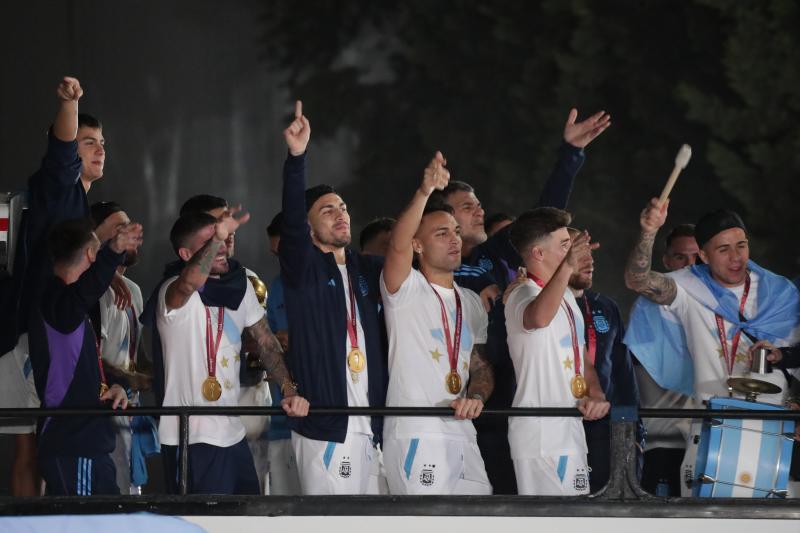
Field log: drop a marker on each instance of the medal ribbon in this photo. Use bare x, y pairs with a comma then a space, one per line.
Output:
133, 335
730, 357
573, 329
352, 315
213, 347
454, 346
591, 333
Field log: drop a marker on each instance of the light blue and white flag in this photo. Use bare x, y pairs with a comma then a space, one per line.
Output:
657, 338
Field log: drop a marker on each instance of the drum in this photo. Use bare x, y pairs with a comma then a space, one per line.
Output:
740, 458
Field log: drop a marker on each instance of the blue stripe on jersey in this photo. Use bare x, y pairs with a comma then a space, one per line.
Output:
562, 467
78, 489
412, 451
89, 477
326, 458
729, 459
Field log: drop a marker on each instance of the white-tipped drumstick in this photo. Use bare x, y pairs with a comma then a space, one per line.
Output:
681, 160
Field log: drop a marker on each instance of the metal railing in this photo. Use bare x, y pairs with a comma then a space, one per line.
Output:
622, 496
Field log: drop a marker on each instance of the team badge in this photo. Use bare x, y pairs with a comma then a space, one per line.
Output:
581, 481
363, 286
486, 264
426, 477
601, 324
344, 469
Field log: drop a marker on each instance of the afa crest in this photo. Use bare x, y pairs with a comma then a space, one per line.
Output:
601, 324
345, 470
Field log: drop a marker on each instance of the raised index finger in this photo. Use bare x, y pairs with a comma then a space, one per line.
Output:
298, 109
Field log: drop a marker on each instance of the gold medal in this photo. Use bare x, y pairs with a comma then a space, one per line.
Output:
212, 390
356, 361
453, 382
103, 389
578, 386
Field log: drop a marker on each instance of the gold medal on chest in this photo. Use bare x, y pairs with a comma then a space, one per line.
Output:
453, 382
578, 386
212, 390
356, 361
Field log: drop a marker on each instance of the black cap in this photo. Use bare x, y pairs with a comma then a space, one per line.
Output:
715, 222
315, 193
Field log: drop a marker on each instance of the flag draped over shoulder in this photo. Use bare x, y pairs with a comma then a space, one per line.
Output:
657, 338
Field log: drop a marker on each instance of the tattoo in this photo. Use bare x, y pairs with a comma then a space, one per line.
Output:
481, 373
269, 352
639, 277
203, 258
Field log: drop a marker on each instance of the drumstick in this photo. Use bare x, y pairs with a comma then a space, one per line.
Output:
681, 160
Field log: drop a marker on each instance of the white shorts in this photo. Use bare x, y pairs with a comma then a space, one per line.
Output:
567, 475
334, 467
283, 479
17, 388
435, 466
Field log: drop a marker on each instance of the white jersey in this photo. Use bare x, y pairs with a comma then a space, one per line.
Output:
418, 360
358, 385
700, 325
544, 365
183, 342
115, 326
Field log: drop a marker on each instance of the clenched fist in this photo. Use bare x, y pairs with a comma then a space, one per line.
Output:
69, 90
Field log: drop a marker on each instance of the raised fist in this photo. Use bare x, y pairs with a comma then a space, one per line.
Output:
653, 216
69, 90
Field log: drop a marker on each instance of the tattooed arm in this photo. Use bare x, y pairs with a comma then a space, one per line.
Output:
481, 382
271, 356
638, 274
198, 264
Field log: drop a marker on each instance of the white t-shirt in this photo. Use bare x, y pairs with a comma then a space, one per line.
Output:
115, 326
357, 391
710, 370
418, 360
544, 363
183, 342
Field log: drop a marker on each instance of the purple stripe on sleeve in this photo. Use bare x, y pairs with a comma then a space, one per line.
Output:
64, 353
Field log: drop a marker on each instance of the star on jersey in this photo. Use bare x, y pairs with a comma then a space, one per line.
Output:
567, 364
436, 355
224, 362
465, 366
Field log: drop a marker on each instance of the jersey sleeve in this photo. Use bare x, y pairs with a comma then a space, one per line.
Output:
515, 308
409, 290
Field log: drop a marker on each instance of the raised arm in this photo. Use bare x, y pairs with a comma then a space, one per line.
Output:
639, 276
577, 136
541, 310
198, 268
65, 127
401, 252
271, 356
296, 244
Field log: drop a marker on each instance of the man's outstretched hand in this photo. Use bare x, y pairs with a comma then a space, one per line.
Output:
580, 134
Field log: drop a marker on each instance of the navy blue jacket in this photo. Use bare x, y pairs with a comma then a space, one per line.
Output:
55, 193
317, 315
612, 359
65, 363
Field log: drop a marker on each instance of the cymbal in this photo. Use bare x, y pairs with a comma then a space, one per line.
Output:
750, 386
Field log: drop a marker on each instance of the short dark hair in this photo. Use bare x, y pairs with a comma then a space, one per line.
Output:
681, 230
533, 225
67, 239
88, 121
452, 187
375, 228
316, 192
202, 203
274, 228
186, 226
102, 210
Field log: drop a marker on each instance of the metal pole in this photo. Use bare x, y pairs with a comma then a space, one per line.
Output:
183, 455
